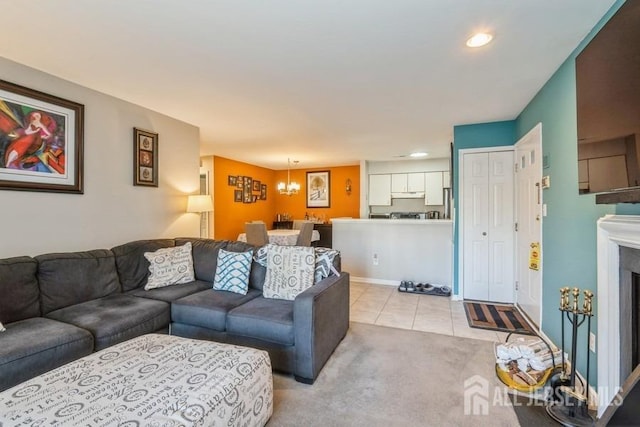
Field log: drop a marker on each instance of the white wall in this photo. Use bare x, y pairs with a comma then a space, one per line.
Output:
111, 211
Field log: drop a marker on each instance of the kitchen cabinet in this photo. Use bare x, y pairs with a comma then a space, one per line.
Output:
380, 190
433, 188
407, 182
446, 179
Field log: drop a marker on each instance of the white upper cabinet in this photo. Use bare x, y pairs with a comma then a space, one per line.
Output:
399, 183
380, 190
433, 188
415, 182
407, 182
446, 179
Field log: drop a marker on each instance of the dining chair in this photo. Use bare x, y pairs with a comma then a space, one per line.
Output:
297, 223
256, 233
306, 231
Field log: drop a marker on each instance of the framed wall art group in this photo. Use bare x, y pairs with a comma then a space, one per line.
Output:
41, 141
247, 189
145, 158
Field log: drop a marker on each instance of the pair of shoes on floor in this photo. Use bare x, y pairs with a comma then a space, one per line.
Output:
407, 286
441, 290
424, 287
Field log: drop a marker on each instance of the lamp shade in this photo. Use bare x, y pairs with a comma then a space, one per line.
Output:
200, 203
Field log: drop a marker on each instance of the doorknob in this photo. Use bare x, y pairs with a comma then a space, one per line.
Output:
484, 233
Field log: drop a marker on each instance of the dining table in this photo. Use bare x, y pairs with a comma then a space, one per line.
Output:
283, 237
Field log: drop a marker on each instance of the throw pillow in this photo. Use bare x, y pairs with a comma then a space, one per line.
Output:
324, 261
289, 271
2, 328
232, 271
170, 266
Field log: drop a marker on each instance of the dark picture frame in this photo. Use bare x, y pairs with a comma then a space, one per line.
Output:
256, 185
247, 190
41, 141
237, 196
145, 158
232, 180
263, 191
319, 189
240, 182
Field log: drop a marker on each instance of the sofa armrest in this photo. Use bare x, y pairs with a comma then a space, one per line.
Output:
320, 321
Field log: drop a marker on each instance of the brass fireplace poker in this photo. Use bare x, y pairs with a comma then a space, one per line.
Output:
568, 406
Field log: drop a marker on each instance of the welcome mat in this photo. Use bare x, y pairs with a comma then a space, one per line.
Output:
496, 317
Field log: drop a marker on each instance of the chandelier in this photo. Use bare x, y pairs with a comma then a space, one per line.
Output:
289, 188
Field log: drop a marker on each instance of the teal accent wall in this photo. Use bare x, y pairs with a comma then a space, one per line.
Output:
569, 229
494, 134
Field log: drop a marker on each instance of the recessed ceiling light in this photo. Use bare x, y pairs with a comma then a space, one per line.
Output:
419, 154
479, 39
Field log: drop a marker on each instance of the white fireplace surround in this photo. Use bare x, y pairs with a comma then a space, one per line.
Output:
613, 231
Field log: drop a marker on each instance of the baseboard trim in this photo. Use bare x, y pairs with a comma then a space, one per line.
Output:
374, 281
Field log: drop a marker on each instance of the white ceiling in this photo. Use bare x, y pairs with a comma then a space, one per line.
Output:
325, 82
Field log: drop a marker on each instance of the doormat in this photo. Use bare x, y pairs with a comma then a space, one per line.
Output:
497, 317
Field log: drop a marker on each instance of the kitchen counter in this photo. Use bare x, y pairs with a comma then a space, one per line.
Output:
398, 221
391, 250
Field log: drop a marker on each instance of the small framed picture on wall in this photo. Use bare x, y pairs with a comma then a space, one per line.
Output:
145, 158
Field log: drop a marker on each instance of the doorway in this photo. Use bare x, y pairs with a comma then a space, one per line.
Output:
529, 215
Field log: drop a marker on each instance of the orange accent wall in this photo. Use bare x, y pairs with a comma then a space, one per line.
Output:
230, 216
341, 204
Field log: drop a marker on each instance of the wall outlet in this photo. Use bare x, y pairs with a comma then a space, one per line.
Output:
375, 259
592, 342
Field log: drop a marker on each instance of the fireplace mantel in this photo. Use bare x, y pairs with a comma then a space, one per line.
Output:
613, 231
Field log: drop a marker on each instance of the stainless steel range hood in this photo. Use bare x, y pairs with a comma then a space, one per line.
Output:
407, 195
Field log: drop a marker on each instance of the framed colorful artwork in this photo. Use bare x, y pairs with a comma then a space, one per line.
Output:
263, 191
41, 141
145, 158
237, 195
232, 180
240, 182
318, 189
256, 185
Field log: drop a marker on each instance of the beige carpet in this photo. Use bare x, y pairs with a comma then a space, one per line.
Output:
381, 376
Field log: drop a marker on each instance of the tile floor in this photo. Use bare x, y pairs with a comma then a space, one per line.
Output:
384, 305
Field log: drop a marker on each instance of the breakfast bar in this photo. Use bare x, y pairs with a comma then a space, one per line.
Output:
391, 250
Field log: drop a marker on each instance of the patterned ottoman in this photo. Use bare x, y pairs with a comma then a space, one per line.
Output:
152, 380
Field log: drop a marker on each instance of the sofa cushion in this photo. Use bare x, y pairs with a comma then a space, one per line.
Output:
263, 318
290, 271
172, 293
133, 267
205, 258
232, 272
33, 346
72, 278
169, 266
116, 318
209, 308
19, 292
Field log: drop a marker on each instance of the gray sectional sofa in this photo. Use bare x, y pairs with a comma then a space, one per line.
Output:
62, 306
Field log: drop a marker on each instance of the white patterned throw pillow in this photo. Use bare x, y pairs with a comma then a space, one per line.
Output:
232, 271
170, 266
289, 271
2, 328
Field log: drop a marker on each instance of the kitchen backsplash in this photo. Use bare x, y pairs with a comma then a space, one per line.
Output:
407, 205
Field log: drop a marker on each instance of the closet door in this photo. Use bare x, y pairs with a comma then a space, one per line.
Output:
487, 226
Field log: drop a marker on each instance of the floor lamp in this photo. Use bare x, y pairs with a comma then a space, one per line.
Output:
201, 203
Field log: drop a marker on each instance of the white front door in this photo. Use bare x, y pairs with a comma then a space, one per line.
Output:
488, 226
529, 220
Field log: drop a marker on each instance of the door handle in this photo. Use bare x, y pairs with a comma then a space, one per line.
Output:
484, 233
538, 191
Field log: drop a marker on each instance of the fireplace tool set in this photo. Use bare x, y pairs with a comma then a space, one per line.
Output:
568, 406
